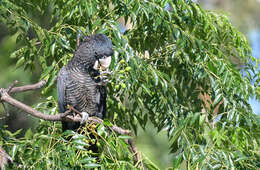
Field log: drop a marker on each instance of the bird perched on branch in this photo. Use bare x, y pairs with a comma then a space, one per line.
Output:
81, 83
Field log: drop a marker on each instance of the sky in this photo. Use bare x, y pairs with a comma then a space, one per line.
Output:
254, 37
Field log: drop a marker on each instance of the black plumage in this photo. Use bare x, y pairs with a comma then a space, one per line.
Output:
79, 83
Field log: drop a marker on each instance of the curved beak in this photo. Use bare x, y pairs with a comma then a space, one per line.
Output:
103, 63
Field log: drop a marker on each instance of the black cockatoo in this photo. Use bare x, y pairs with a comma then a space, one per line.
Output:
80, 83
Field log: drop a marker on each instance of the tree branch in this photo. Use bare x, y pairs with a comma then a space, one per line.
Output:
5, 97
58, 117
8, 99
100, 121
4, 158
38, 85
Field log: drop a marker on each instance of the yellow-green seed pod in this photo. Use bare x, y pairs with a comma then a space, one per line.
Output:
128, 69
123, 85
117, 87
122, 61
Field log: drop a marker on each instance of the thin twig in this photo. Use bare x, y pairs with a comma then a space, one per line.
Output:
12, 86
135, 152
38, 85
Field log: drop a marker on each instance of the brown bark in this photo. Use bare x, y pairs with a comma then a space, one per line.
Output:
35, 86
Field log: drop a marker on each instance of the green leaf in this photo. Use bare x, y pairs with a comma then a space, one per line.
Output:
20, 62
147, 90
87, 160
47, 71
176, 134
124, 137
107, 123
79, 136
195, 117
80, 142
92, 165
155, 77
28, 134
14, 151
225, 77
53, 48
202, 119
218, 98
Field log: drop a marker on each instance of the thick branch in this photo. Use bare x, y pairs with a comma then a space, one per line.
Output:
8, 99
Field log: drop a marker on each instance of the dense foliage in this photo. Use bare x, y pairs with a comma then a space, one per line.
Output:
171, 55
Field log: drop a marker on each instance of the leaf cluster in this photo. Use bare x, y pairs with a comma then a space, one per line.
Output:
48, 148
